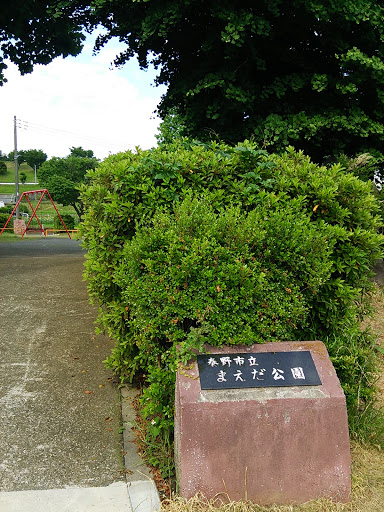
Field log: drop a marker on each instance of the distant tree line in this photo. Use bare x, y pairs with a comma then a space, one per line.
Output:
33, 157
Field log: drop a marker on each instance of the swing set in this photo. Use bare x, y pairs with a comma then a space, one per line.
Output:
34, 210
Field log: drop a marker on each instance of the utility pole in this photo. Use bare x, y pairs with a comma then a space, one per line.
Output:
16, 168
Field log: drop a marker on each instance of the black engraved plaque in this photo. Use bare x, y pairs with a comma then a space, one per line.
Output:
261, 370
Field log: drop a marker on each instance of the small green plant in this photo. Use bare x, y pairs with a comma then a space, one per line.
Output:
355, 357
3, 168
23, 177
68, 219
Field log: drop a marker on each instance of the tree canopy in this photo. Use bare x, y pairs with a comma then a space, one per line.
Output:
81, 153
32, 32
34, 157
303, 72
31, 156
20, 157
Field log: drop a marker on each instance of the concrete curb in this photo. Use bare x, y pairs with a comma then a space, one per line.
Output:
143, 493
143, 496
112, 498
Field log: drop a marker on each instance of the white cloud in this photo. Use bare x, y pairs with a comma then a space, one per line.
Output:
80, 102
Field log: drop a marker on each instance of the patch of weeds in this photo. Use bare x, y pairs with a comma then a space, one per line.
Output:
155, 450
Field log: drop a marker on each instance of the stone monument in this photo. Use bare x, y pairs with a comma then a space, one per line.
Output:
266, 423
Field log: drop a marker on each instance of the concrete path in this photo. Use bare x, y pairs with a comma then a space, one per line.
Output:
61, 446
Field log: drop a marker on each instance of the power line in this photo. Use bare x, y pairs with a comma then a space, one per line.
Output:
50, 131
27, 125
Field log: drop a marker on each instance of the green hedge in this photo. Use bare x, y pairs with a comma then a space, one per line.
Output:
129, 188
68, 219
196, 276
5, 211
3, 219
8, 208
190, 243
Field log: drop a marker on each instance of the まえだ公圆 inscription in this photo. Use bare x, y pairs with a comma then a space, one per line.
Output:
268, 369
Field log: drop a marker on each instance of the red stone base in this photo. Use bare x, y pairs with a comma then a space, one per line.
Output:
18, 226
268, 445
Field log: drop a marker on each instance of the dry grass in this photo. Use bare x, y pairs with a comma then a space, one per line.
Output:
377, 325
367, 470
367, 492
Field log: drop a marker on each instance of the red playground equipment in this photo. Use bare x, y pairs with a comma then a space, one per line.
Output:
34, 210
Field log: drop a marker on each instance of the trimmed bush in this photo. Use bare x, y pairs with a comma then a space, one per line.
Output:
68, 219
222, 278
3, 219
192, 243
8, 208
5, 211
127, 189
3, 168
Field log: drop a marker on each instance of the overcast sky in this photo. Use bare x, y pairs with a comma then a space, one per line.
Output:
80, 101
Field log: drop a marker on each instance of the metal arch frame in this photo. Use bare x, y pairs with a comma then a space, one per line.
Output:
26, 195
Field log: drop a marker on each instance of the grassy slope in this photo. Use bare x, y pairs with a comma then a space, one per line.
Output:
9, 177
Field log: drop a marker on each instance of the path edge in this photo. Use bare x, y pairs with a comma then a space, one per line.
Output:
141, 488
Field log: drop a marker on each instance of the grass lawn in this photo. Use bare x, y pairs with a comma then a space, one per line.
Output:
10, 189
9, 177
8, 236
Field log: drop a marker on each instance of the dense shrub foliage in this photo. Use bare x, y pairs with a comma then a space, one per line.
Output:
3, 219
6, 210
68, 220
243, 278
196, 276
192, 243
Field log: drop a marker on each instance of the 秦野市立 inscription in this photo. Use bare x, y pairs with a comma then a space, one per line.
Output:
261, 370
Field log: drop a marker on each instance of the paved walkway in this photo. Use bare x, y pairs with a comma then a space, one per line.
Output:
61, 446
